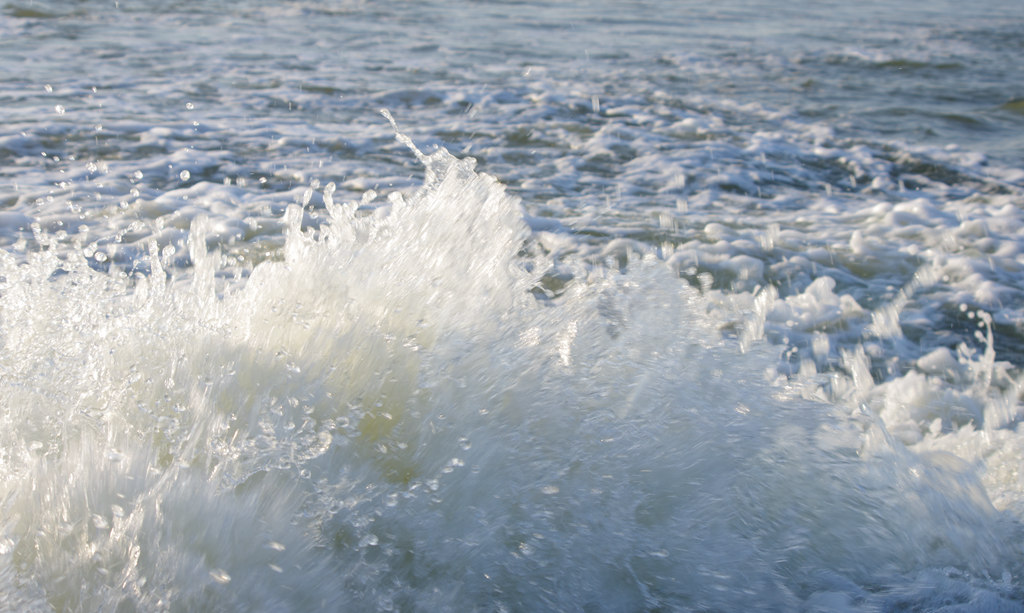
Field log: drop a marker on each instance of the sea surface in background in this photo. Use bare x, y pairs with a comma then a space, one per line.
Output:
617, 306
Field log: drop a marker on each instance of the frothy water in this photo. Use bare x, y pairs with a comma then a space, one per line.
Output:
410, 411
709, 308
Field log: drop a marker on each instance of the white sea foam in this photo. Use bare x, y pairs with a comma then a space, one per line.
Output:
751, 339
388, 417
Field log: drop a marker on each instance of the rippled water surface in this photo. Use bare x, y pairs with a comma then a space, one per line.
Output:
635, 306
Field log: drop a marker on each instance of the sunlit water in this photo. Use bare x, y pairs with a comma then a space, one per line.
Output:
648, 307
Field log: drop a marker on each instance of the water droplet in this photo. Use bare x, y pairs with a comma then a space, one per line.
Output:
189, 106
59, 109
370, 540
184, 175
220, 575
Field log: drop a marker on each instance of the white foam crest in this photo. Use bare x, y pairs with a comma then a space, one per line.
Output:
387, 415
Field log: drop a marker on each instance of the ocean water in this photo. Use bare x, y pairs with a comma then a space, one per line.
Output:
511, 306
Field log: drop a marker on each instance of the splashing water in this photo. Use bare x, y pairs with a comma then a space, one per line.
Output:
409, 410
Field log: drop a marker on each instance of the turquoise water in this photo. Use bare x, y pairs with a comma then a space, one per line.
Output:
616, 307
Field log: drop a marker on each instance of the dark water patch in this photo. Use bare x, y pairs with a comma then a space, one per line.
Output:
321, 89
955, 326
966, 121
905, 64
528, 137
910, 171
1014, 106
552, 284
1009, 343
28, 13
